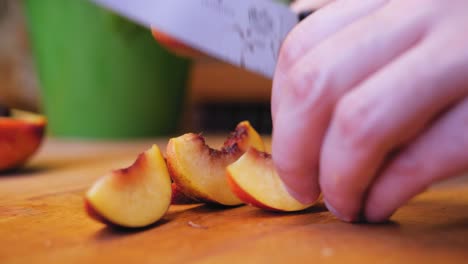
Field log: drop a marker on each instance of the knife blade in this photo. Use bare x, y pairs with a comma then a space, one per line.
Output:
245, 33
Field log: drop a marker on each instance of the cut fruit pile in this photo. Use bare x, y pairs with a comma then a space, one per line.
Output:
192, 172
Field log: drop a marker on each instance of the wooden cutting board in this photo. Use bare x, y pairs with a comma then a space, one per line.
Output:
42, 221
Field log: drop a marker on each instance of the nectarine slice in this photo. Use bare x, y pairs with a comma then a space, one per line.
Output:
136, 196
253, 178
243, 137
200, 170
21, 134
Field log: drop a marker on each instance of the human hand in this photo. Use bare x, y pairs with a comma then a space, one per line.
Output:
370, 103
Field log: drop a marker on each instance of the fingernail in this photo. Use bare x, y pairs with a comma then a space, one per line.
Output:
301, 196
336, 213
302, 189
377, 219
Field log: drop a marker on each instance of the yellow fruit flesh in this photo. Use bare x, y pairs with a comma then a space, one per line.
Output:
134, 197
200, 172
257, 176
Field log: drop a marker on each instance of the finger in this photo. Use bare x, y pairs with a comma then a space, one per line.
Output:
384, 112
313, 30
316, 83
438, 154
307, 5
175, 46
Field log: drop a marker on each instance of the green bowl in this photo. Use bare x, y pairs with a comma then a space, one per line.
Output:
102, 76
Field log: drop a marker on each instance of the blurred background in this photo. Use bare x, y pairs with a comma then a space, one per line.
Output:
217, 97
18, 82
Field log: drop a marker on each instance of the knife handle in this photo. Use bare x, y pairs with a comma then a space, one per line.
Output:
304, 14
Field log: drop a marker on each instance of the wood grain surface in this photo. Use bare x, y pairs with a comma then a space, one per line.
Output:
42, 221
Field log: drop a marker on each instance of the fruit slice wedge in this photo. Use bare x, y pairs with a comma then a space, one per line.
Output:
136, 196
253, 178
200, 171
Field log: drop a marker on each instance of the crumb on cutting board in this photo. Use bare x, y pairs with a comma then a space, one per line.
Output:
195, 225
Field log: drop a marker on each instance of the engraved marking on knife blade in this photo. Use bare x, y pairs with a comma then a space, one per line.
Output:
219, 6
260, 34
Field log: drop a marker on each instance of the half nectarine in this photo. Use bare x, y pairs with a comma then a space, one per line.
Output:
21, 134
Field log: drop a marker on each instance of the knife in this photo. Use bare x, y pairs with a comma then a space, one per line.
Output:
245, 33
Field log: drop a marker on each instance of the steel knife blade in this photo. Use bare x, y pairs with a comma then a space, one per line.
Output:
246, 33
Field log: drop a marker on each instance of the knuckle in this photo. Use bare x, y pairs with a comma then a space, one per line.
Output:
300, 83
421, 8
291, 50
311, 86
287, 55
354, 123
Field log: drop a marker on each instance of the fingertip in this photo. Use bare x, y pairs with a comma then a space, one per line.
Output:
378, 218
395, 187
299, 177
297, 135
302, 189
387, 195
337, 213
376, 214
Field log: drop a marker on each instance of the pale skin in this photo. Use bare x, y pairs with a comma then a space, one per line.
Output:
370, 103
